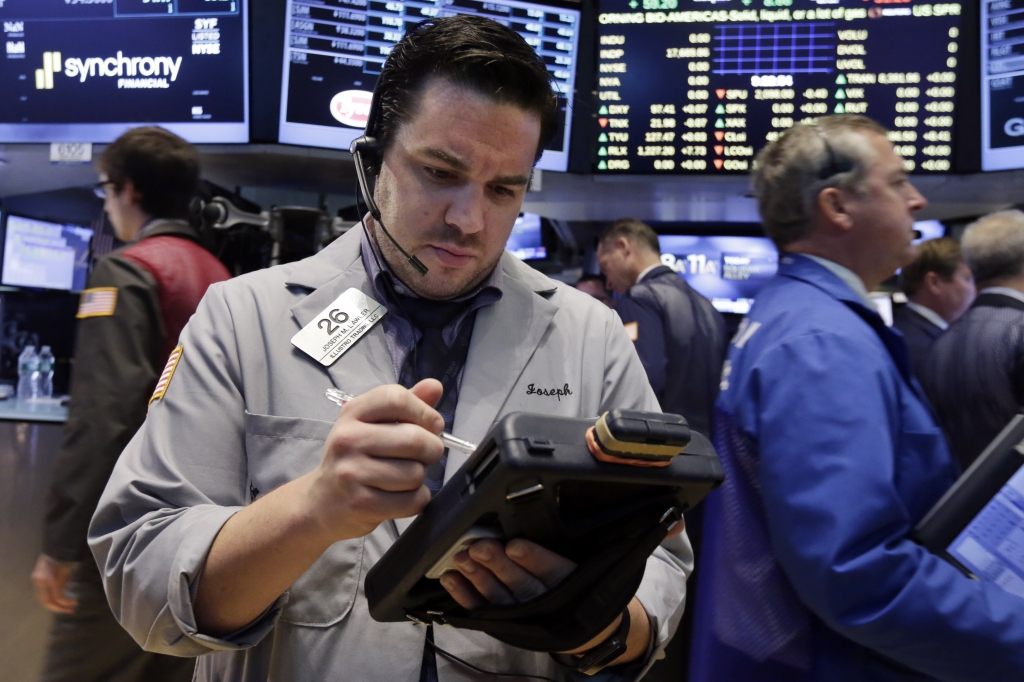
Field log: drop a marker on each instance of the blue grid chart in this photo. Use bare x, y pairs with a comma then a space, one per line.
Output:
778, 48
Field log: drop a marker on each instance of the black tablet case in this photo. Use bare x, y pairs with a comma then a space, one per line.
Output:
972, 491
606, 517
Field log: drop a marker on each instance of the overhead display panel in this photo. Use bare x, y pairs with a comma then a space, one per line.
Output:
87, 70
1002, 84
700, 86
334, 50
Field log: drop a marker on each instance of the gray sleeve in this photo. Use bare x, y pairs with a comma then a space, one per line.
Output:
663, 590
179, 480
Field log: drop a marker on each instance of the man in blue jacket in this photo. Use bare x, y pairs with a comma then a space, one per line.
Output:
831, 453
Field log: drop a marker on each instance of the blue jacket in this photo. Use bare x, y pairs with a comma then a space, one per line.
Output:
831, 457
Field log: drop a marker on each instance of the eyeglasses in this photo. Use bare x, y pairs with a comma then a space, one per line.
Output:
100, 188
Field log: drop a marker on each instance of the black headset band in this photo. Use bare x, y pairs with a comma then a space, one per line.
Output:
833, 166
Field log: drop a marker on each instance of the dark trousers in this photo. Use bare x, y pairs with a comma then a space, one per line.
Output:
90, 646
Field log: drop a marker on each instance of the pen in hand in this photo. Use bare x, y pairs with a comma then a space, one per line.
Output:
339, 397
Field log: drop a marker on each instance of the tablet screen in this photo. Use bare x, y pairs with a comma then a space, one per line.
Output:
992, 545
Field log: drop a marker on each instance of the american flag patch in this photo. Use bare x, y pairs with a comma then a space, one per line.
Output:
165, 378
98, 302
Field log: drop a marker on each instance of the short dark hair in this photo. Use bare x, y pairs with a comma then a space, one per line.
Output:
941, 256
163, 168
472, 52
636, 231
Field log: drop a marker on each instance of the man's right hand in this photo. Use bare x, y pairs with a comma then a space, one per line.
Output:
372, 470
375, 459
50, 578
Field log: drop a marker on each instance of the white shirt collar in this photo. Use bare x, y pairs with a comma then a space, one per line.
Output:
848, 276
929, 314
646, 271
1005, 291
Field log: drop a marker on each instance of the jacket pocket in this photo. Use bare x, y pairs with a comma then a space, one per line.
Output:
279, 450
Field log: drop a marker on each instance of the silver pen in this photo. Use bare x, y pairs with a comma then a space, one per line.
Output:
339, 397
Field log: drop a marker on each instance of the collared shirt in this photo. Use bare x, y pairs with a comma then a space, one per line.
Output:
402, 336
1005, 291
848, 276
646, 271
934, 317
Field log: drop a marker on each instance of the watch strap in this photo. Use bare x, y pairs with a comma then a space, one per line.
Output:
597, 658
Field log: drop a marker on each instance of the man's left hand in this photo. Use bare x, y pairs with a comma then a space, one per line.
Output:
521, 570
517, 572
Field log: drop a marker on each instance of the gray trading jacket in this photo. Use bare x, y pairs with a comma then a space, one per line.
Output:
245, 412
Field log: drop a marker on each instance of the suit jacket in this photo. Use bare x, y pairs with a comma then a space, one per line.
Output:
245, 413
118, 357
831, 457
919, 332
680, 338
975, 374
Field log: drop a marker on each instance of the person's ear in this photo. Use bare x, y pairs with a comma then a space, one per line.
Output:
130, 194
834, 205
623, 245
933, 283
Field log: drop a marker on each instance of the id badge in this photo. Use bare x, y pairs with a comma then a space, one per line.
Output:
339, 326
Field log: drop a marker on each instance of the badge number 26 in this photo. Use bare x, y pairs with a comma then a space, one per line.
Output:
334, 319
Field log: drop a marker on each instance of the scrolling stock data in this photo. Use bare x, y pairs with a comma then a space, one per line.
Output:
698, 86
336, 48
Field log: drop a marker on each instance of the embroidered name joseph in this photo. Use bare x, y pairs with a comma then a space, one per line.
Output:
559, 392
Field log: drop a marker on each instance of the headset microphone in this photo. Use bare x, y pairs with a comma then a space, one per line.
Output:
366, 148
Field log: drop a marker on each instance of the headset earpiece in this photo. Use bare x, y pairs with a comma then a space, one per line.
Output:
367, 155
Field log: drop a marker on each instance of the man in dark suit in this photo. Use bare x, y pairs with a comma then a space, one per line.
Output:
939, 288
679, 336
681, 341
974, 374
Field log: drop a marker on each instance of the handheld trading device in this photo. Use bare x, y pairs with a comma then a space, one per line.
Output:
603, 494
974, 526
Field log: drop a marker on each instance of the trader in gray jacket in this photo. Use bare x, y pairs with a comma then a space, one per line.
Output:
241, 520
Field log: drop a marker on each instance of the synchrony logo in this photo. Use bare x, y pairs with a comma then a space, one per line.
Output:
154, 70
44, 76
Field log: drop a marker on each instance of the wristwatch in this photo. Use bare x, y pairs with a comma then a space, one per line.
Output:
595, 659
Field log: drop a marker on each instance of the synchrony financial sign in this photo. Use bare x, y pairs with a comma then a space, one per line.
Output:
131, 72
63, 77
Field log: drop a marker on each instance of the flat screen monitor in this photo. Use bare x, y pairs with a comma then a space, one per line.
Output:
86, 71
45, 255
525, 242
691, 86
1002, 85
334, 50
728, 270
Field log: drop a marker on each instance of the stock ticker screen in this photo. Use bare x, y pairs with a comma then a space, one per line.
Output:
87, 70
1002, 84
334, 50
702, 85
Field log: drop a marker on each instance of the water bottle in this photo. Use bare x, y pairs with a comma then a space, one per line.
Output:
45, 381
28, 371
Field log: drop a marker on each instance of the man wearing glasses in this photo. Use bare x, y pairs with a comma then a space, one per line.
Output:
137, 301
